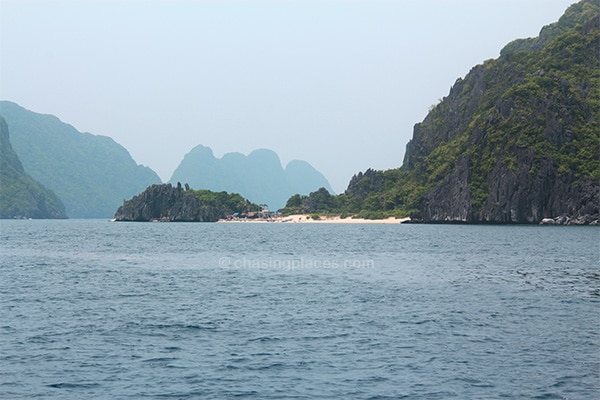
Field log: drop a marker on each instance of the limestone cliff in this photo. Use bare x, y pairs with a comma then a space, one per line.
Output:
176, 204
516, 141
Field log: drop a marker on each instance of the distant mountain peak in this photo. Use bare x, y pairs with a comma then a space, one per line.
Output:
259, 176
203, 151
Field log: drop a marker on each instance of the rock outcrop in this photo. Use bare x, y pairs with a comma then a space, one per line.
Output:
166, 203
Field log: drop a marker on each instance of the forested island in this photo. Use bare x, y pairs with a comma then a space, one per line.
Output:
168, 203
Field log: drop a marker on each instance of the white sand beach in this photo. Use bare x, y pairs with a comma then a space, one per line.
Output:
305, 219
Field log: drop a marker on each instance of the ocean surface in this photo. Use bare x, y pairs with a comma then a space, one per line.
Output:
92, 309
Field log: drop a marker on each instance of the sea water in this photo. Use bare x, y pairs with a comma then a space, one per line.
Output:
93, 309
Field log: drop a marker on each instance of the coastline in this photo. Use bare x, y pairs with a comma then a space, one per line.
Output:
304, 219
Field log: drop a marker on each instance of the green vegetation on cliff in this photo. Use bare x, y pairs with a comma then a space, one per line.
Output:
175, 204
515, 141
20, 195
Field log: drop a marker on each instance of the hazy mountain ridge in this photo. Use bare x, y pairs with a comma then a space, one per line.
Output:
258, 176
91, 174
515, 141
20, 195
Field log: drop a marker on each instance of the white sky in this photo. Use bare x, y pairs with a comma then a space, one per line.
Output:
338, 83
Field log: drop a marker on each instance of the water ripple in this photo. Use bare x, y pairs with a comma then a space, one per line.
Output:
91, 309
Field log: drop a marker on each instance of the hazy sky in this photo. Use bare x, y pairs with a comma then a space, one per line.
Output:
338, 83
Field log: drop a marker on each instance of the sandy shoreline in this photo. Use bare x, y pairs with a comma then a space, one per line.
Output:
304, 219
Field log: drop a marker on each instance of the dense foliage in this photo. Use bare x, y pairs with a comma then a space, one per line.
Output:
222, 203
175, 204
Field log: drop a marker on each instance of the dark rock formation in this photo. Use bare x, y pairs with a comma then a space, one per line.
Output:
174, 204
363, 184
451, 200
515, 196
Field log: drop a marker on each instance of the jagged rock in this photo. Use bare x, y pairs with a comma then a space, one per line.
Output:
451, 200
362, 184
568, 220
166, 203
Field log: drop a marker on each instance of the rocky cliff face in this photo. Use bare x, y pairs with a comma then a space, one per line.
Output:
517, 140
175, 204
515, 196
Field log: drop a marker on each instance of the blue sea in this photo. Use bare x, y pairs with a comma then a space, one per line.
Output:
91, 309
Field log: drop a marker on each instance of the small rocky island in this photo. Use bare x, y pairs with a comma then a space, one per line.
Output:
167, 203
